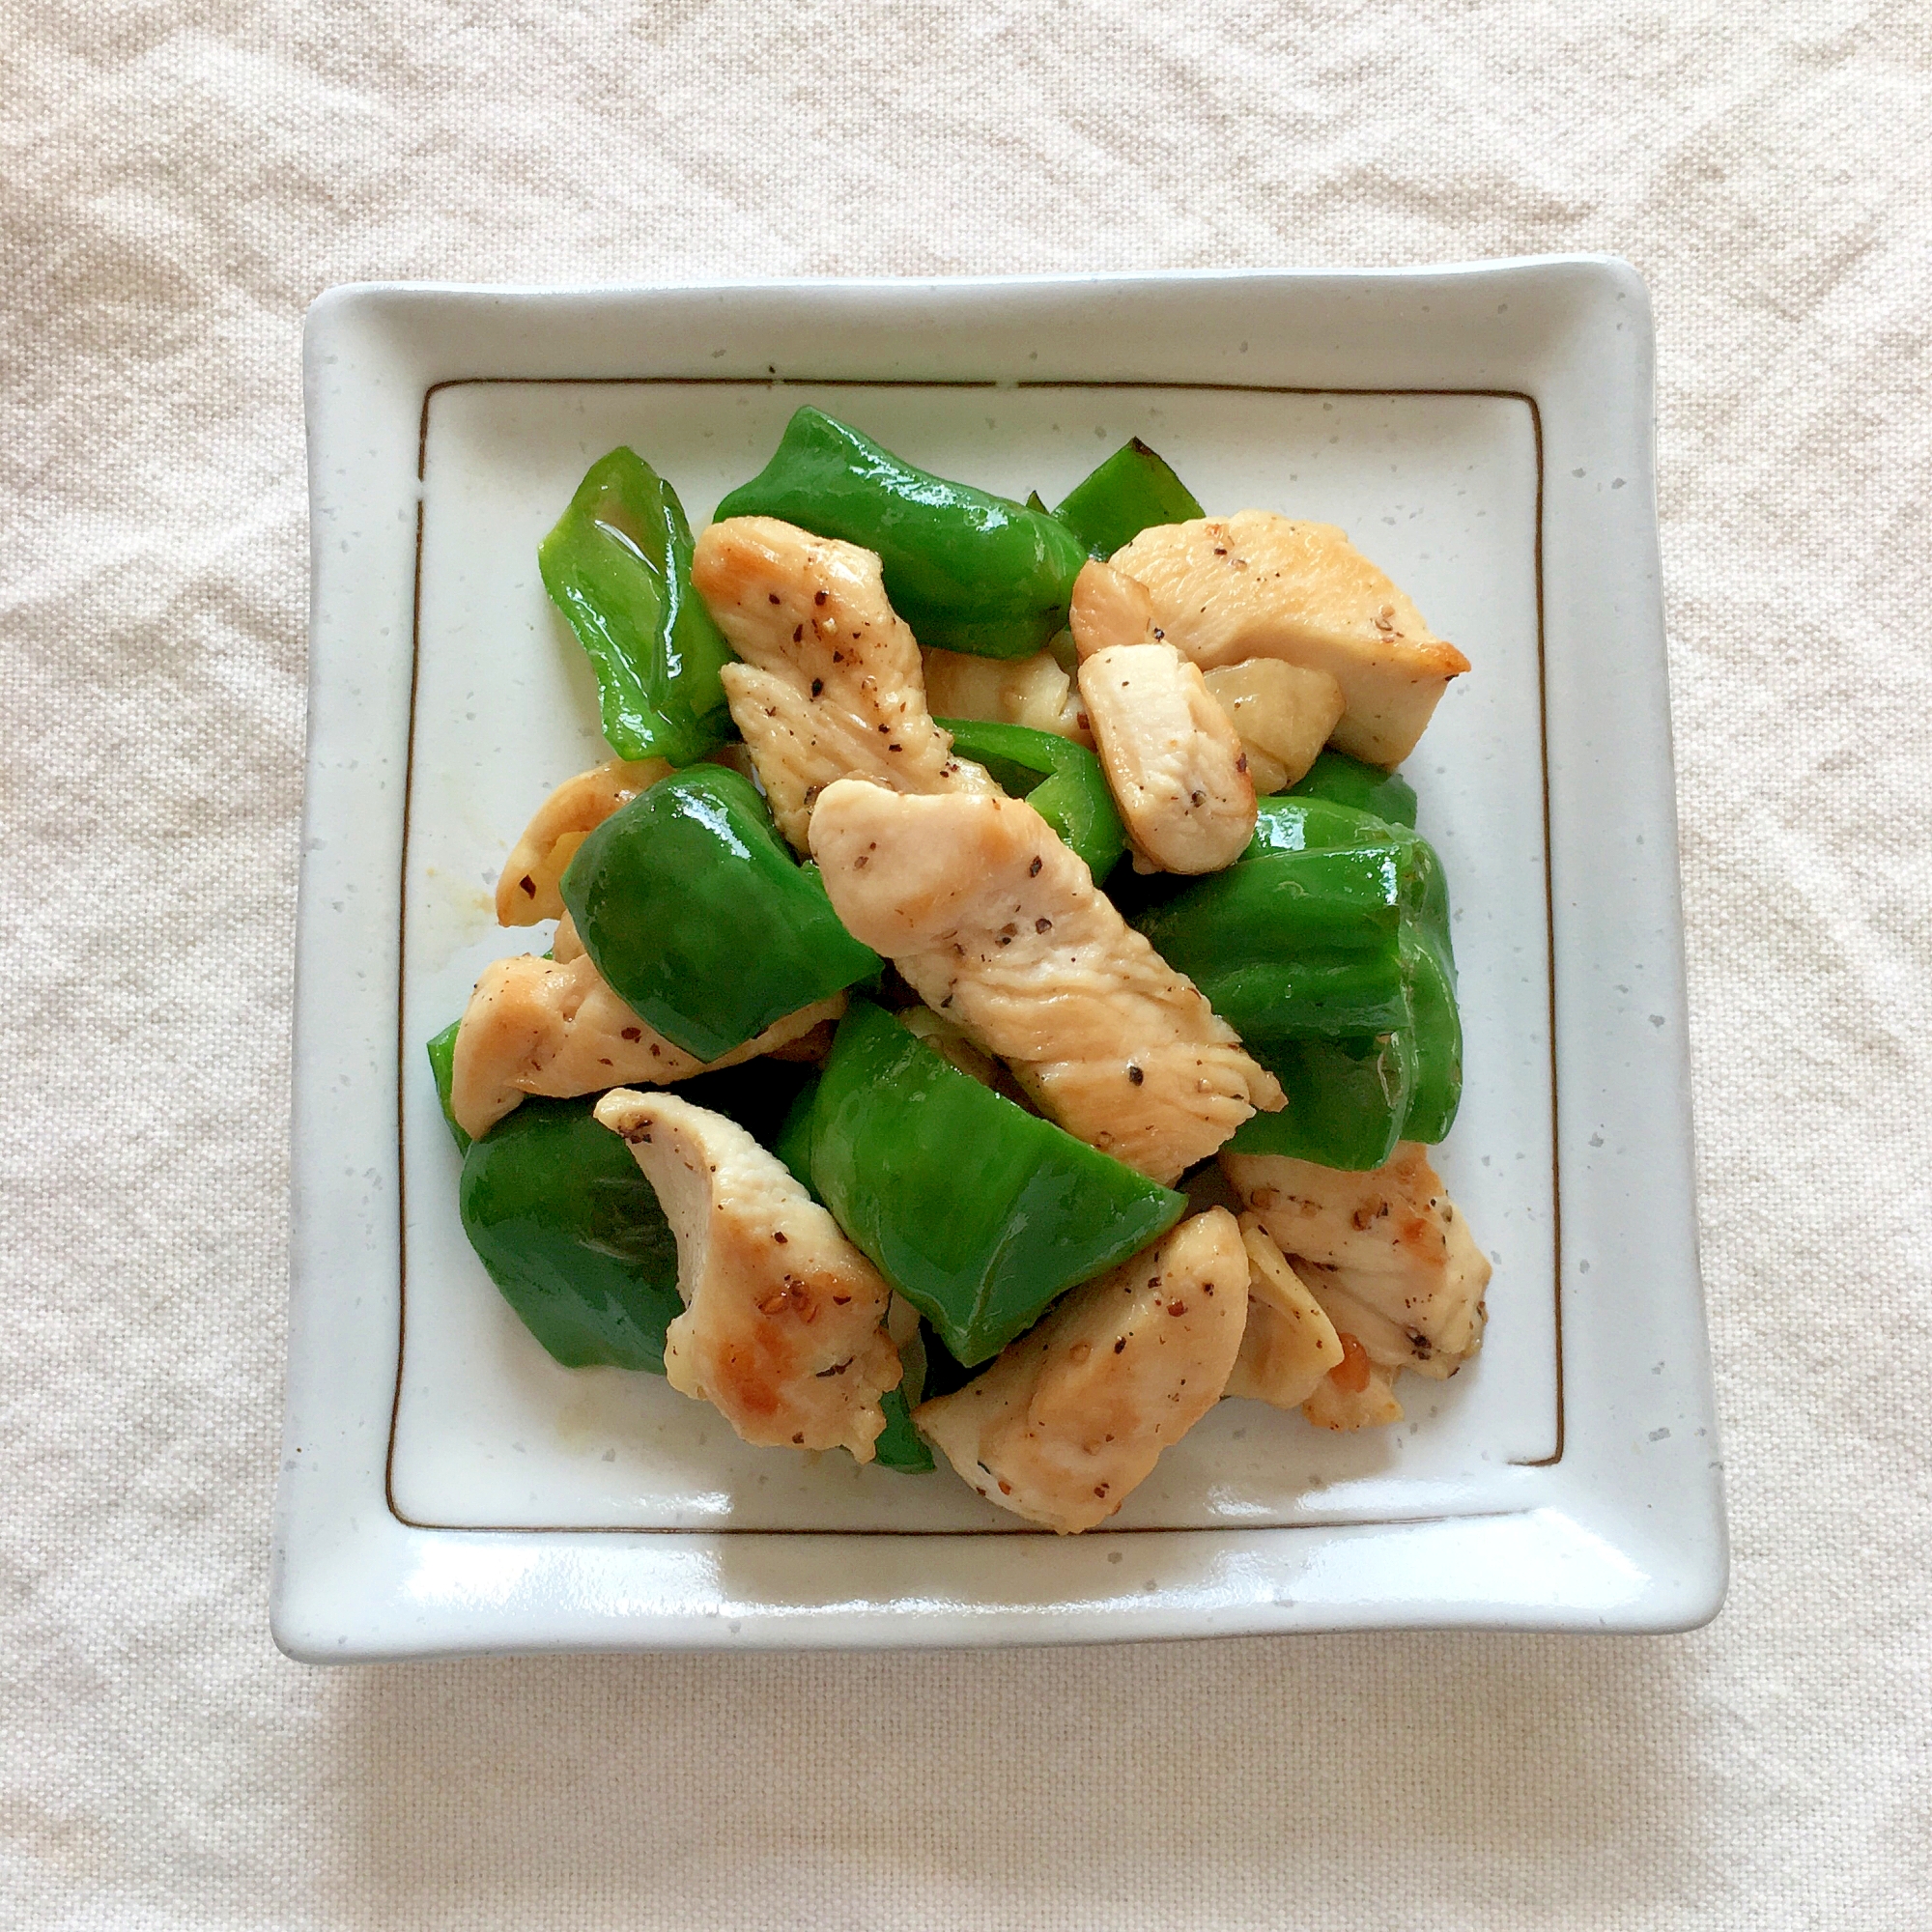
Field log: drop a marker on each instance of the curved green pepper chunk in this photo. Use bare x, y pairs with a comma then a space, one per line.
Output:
793, 1144
1132, 491
966, 569
1435, 1026
897, 1445
1347, 781
1293, 944
618, 566
694, 909
1062, 781
1350, 1100
441, 1051
979, 1212
1347, 1100
1291, 824
572, 1234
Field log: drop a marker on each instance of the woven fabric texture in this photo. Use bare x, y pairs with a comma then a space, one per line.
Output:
177, 181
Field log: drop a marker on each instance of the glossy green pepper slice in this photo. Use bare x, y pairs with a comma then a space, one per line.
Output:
1429, 962
966, 569
1435, 1027
1291, 824
572, 1234
897, 1445
1347, 1100
1062, 781
1350, 1100
694, 909
1293, 944
1347, 781
979, 1212
618, 566
441, 1051
1132, 491
793, 1145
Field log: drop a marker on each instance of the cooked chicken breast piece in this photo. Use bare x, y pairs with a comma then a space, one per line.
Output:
783, 1329
1073, 1416
554, 1026
530, 889
1224, 589
1173, 759
1034, 692
1290, 1344
1283, 712
1392, 1236
1387, 1344
1109, 608
830, 685
1357, 1394
996, 925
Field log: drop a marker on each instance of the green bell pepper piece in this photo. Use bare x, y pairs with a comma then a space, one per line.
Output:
618, 567
1347, 1100
1293, 945
966, 569
1132, 491
1350, 1100
1291, 824
898, 1446
1347, 781
793, 1145
441, 1051
572, 1234
1062, 781
1437, 1028
979, 1212
694, 909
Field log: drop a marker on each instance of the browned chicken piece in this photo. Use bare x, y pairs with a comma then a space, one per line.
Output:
533, 873
996, 925
1033, 690
1073, 1415
1356, 1394
1224, 589
1388, 1345
783, 1329
1391, 1239
1290, 1344
1173, 759
1109, 608
555, 1027
830, 685
1283, 712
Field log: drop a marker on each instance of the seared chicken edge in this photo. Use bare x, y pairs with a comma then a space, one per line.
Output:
830, 685
783, 1324
998, 927
1073, 1416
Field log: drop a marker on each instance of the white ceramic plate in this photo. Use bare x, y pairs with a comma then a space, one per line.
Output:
1484, 434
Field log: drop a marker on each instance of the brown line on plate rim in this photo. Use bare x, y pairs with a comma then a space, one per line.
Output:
771, 380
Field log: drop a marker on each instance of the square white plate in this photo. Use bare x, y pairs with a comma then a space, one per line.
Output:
1484, 433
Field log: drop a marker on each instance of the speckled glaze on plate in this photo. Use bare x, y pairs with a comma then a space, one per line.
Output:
1482, 432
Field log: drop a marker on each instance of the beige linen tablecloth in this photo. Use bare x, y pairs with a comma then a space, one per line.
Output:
178, 180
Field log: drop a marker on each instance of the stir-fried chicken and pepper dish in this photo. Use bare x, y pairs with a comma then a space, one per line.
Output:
998, 1002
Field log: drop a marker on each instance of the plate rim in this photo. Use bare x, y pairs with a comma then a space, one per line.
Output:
353, 1580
